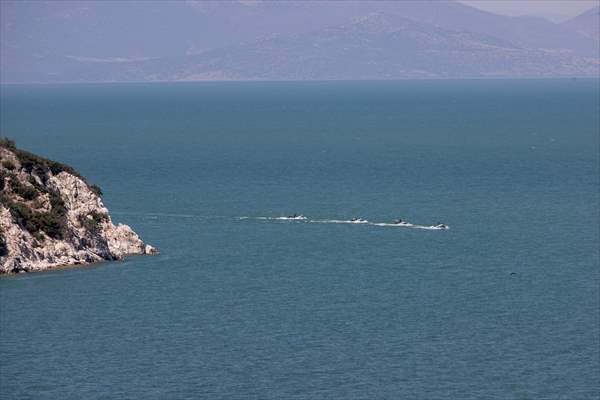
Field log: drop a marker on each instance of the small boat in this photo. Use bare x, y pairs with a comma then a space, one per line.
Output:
401, 222
358, 221
295, 217
439, 225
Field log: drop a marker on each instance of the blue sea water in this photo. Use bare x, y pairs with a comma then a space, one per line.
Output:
503, 305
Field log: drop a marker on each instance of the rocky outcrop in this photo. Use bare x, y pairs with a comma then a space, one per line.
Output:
50, 217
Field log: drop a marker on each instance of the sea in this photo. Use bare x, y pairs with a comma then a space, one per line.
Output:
505, 304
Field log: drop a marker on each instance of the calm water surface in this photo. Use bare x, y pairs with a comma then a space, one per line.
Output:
504, 305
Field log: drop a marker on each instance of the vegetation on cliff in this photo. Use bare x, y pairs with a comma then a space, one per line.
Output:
51, 216
3, 247
32, 163
33, 205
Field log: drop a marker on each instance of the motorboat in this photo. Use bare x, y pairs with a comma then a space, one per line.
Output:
295, 217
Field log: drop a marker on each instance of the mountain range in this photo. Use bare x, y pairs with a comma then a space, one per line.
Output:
97, 41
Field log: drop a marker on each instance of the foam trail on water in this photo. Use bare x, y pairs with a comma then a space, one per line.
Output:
272, 218
167, 215
407, 225
337, 221
345, 221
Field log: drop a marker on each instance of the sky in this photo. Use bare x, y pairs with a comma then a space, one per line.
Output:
556, 10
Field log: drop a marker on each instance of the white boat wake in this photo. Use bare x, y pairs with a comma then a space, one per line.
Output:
297, 218
401, 225
338, 221
432, 228
357, 221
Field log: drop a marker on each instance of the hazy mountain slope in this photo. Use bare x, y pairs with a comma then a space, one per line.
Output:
46, 41
40, 38
587, 24
378, 46
529, 32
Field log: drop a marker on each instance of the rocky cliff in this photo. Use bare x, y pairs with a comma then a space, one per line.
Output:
50, 217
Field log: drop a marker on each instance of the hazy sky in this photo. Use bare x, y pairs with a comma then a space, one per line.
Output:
555, 9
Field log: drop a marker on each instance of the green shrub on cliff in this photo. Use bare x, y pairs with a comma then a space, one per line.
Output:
25, 191
92, 221
33, 163
53, 222
9, 165
14, 192
3, 175
7, 143
3, 247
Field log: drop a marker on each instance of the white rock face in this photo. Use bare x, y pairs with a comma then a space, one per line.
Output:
91, 235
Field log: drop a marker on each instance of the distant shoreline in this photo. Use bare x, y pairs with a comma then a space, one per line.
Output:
553, 78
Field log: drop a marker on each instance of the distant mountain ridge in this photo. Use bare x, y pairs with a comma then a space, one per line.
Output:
587, 24
377, 46
210, 40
